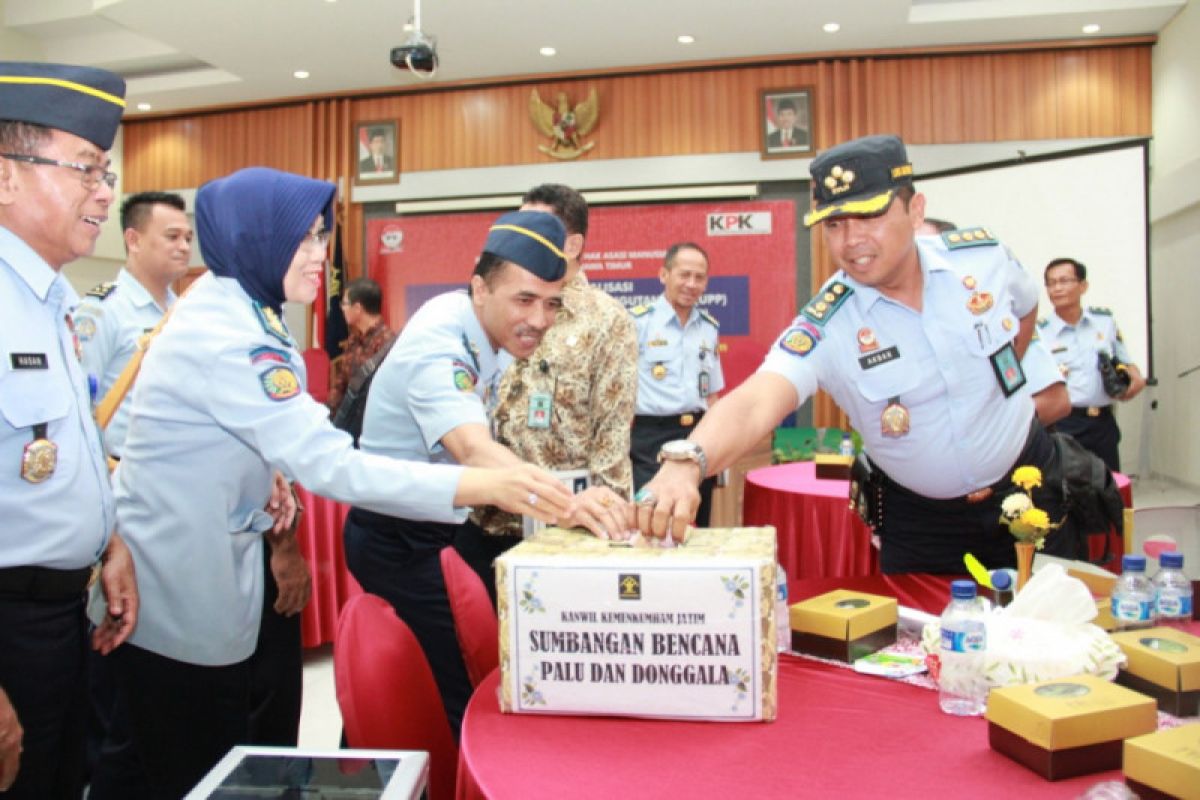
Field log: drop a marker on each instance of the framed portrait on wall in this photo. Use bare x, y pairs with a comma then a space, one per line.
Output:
787, 122
376, 146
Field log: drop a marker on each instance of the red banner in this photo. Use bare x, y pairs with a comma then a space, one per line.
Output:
751, 248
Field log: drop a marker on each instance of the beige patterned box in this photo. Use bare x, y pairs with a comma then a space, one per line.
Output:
592, 627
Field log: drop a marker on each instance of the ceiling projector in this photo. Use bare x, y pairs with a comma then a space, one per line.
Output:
418, 55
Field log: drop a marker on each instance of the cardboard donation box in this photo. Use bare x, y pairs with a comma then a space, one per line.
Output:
1165, 664
594, 627
843, 625
1165, 764
1068, 726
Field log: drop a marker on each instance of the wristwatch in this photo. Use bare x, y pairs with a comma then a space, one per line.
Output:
684, 450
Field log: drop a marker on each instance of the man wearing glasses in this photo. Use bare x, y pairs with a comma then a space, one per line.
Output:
56, 124
362, 305
1077, 337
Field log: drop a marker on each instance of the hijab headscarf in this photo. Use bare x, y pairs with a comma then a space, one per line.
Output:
252, 222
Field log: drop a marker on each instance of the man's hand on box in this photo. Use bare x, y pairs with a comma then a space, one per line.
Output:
667, 505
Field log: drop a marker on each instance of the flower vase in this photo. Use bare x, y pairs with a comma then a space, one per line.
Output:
1025, 551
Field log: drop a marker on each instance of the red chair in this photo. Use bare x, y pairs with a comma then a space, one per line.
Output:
475, 621
316, 364
386, 690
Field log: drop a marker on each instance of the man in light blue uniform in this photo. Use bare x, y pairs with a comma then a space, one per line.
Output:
113, 316
431, 401
919, 340
1076, 337
56, 124
679, 368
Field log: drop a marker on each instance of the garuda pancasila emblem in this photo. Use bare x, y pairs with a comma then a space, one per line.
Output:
564, 125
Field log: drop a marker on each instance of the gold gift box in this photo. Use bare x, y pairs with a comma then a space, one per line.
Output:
589, 581
1068, 726
1165, 664
832, 466
843, 625
1165, 763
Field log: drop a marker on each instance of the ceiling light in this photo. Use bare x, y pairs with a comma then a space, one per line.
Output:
547, 51
144, 106
831, 27
684, 38
1091, 28
300, 73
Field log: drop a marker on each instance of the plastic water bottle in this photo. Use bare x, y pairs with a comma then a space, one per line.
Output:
1133, 595
783, 621
1174, 591
846, 448
962, 687
1002, 587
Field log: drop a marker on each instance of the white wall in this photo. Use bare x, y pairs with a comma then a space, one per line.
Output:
1173, 441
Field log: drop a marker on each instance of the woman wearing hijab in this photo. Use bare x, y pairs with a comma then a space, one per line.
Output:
218, 408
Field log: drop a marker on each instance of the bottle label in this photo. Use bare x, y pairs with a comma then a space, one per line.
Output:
1131, 609
1173, 605
971, 639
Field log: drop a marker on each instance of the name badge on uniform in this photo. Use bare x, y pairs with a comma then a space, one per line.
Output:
879, 357
28, 361
540, 406
703, 385
1008, 369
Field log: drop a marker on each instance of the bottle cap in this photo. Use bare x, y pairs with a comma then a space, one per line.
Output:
1133, 563
1001, 580
1171, 560
962, 590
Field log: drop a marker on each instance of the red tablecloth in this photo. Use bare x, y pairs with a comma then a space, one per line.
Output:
818, 533
839, 734
320, 539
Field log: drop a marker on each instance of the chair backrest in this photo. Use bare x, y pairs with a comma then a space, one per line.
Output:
1167, 528
475, 621
386, 691
316, 364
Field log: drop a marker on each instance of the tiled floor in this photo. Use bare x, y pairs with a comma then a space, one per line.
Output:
321, 723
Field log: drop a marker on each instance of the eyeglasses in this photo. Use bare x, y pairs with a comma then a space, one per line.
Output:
1056, 282
92, 174
319, 238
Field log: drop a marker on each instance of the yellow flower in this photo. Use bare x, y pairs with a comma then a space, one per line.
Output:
1027, 477
1036, 518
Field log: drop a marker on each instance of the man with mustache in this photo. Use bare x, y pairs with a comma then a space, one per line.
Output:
431, 400
919, 340
679, 370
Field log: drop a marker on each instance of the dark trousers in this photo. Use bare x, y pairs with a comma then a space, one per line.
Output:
480, 551
1099, 434
256, 701
921, 534
42, 650
400, 561
649, 434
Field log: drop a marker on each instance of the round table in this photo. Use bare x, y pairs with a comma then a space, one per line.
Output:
819, 535
838, 734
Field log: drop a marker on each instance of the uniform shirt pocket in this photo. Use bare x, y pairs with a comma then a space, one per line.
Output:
29, 397
881, 383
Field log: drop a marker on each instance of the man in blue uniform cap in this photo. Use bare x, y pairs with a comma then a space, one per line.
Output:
56, 124
919, 340
431, 400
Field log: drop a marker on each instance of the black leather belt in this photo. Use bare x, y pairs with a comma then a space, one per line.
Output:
670, 421
42, 583
1091, 412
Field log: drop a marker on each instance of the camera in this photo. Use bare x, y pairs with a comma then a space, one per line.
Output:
418, 55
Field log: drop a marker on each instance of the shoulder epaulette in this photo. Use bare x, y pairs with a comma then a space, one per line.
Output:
968, 237
825, 302
710, 318
1101, 310
102, 290
638, 311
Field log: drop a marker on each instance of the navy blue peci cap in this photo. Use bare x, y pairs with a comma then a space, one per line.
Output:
858, 178
532, 240
85, 101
